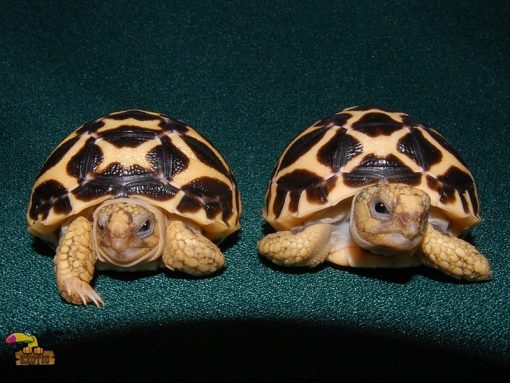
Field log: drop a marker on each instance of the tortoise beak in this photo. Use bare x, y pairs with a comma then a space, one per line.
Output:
120, 245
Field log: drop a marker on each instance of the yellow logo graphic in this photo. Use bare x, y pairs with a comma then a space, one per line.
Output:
31, 354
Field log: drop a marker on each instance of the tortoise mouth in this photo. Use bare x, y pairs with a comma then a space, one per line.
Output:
128, 257
132, 255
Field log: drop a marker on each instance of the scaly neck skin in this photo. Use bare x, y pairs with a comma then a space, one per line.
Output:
127, 232
389, 219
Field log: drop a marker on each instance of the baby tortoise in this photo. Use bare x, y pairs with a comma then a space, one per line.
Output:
133, 190
368, 187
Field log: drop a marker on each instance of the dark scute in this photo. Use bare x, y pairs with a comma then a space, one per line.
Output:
337, 119
410, 121
58, 154
128, 136
319, 193
294, 200
91, 126
206, 155
375, 124
415, 146
85, 161
91, 190
295, 183
171, 124
374, 168
339, 150
189, 205
298, 180
301, 146
167, 159
442, 141
215, 194
47, 195
154, 190
446, 192
279, 201
115, 169
136, 114
461, 181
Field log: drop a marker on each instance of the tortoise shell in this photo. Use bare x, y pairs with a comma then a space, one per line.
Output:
139, 154
329, 162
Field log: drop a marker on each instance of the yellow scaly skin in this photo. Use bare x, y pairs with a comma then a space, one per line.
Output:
454, 256
307, 248
187, 250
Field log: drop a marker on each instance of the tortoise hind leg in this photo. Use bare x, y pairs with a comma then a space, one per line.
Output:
189, 251
74, 264
454, 256
307, 248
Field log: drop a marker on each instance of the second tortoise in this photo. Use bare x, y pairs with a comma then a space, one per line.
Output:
368, 187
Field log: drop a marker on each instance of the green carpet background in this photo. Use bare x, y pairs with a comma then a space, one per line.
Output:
250, 76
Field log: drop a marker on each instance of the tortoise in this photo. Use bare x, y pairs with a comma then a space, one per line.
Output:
133, 190
368, 187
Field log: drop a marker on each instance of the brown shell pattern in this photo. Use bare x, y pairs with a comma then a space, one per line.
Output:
339, 155
138, 154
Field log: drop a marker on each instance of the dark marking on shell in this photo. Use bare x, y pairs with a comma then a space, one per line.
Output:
318, 194
294, 184
410, 121
50, 194
337, 119
415, 146
91, 126
189, 204
153, 189
212, 195
58, 154
462, 182
128, 136
374, 168
167, 159
206, 155
171, 124
375, 124
136, 114
442, 141
301, 146
364, 108
116, 169
339, 150
125, 186
85, 161
446, 192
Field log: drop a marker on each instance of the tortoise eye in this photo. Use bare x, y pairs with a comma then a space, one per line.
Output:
146, 228
380, 211
381, 208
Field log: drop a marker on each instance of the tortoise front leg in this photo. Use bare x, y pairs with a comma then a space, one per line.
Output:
454, 256
187, 250
74, 264
308, 247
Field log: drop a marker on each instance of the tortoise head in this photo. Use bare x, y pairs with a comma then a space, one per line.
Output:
127, 232
389, 219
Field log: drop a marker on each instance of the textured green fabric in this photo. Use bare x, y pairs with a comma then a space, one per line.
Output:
250, 76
